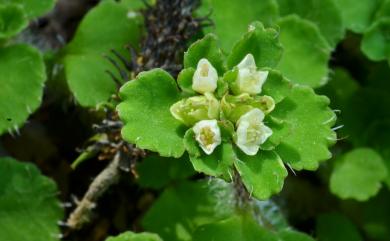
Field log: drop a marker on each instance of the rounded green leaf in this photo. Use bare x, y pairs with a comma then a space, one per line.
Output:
336, 227
262, 43
206, 47
277, 126
263, 174
219, 163
12, 20
130, 236
358, 174
322, 12
232, 19
306, 52
236, 228
29, 209
144, 109
357, 17
88, 80
184, 80
377, 137
156, 172
105, 27
292, 235
33, 8
307, 132
384, 10
376, 40
136, 4
188, 205
276, 86
22, 77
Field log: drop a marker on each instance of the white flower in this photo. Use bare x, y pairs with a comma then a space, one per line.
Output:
251, 132
249, 80
208, 135
205, 77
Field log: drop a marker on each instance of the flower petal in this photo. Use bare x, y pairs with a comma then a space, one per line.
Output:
249, 80
251, 132
205, 77
208, 135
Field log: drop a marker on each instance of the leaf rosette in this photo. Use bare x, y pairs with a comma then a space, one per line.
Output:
231, 112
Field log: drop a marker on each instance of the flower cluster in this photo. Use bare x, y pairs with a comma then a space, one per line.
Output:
241, 105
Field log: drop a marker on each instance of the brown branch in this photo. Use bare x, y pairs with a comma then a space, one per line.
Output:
109, 176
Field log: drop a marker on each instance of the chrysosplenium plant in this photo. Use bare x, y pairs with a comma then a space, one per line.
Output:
231, 112
240, 105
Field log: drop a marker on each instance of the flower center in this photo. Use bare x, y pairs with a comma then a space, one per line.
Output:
251, 79
253, 134
207, 136
204, 70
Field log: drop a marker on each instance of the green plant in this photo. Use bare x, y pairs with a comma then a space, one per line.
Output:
222, 105
215, 120
19, 62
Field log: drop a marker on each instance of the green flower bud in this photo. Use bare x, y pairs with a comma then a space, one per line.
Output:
251, 132
190, 111
233, 107
265, 103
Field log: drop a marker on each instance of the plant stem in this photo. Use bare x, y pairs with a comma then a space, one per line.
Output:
105, 179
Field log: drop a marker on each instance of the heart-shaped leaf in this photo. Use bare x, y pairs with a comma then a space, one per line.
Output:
145, 112
29, 209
